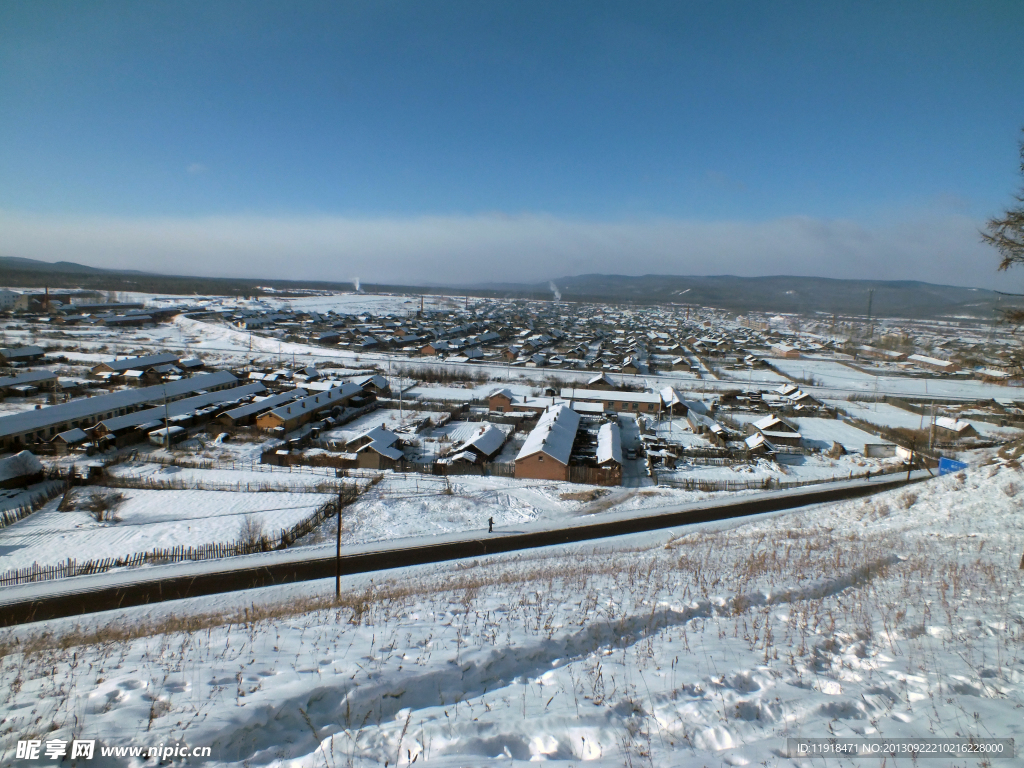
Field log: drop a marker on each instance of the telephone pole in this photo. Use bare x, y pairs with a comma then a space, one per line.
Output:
337, 557
167, 423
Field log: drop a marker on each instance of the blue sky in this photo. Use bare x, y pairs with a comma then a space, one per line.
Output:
408, 141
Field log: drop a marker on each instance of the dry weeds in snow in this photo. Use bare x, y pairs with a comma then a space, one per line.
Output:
899, 615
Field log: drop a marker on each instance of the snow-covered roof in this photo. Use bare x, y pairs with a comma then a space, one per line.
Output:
31, 377
594, 408
86, 407
931, 361
75, 435
181, 407
756, 440
334, 396
379, 435
570, 393
384, 448
953, 425
670, 397
770, 423
488, 440
24, 464
145, 361
609, 444
264, 404
553, 435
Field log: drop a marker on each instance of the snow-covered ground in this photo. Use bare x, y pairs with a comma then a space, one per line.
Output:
895, 616
833, 374
886, 415
882, 414
794, 468
407, 505
144, 520
821, 433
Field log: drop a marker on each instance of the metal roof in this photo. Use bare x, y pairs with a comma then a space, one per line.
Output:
147, 361
181, 407
76, 410
265, 404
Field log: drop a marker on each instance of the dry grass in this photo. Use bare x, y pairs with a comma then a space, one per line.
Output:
840, 587
591, 495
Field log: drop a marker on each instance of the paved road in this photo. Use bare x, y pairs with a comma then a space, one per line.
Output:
70, 597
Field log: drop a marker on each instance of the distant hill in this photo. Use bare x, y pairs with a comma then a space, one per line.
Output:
779, 293
18, 264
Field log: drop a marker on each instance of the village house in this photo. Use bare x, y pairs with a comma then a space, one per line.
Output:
41, 425
21, 355
633, 402
609, 454
777, 432
933, 363
244, 415
376, 448
298, 412
27, 384
136, 363
955, 429
545, 454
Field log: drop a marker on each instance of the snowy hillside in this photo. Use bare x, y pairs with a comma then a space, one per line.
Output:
899, 615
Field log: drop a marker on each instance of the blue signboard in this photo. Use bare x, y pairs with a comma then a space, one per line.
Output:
948, 466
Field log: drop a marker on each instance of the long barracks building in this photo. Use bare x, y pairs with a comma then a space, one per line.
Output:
19, 429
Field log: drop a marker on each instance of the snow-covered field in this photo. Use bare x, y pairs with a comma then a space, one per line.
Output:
894, 616
882, 414
835, 375
795, 468
821, 433
406, 505
144, 520
886, 415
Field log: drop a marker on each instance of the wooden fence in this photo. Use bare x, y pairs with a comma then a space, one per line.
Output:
34, 503
488, 468
285, 538
581, 473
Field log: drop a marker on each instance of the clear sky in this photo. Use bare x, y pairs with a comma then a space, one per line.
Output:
477, 141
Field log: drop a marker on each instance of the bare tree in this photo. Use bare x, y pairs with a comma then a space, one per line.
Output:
1006, 234
250, 532
103, 506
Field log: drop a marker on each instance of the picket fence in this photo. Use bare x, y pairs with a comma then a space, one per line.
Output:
11, 516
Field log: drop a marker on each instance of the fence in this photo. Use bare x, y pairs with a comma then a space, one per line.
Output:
176, 484
765, 484
34, 503
455, 410
581, 473
285, 538
488, 468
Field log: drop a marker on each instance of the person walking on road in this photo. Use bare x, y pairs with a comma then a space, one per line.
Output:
490, 525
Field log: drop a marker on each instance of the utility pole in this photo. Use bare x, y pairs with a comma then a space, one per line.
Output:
337, 558
167, 423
